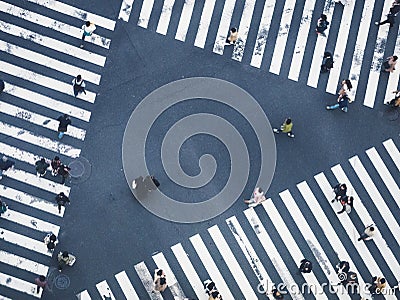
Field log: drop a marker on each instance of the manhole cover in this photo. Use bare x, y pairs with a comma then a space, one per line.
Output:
62, 282
80, 170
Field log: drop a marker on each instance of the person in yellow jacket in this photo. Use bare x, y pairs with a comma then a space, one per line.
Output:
286, 127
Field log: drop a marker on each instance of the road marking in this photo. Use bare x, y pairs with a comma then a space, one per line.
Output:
190, 272
145, 13
184, 20
41, 141
204, 24
301, 40
126, 286
23, 263
244, 27
223, 28
19, 285
24, 241
281, 39
147, 281
126, 9
53, 44
104, 290
210, 266
262, 34
83, 295
250, 254
231, 262
165, 17
393, 152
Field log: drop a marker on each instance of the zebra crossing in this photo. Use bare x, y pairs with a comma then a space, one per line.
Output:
257, 38
39, 44
251, 252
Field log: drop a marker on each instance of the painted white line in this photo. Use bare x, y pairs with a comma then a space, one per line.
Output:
29, 221
367, 220
4, 298
147, 281
23, 263
41, 141
53, 44
251, 255
224, 24
393, 77
204, 24
36, 181
384, 173
281, 39
340, 47
24, 241
190, 272
319, 49
49, 62
210, 266
45, 81
165, 17
361, 43
273, 253
40, 120
104, 290
231, 262
126, 286
44, 21
173, 284
19, 285
29, 200
145, 13
379, 51
294, 249
244, 27
393, 152
262, 34
184, 20
84, 295
374, 194
126, 9
301, 41
76, 13
330, 233
47, 102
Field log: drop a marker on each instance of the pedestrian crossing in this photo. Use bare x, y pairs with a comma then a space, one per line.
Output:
41, 55
259, 36
250, 253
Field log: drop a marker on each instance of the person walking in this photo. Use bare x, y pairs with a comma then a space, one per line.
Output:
322, 25
368, 233
55, 165
378, 284
305, 266
342, 103
41, 167
78, 85
2, 86
233, 36
389, 64
390, 17
215, 295
5, 164
286, 127
209, 286
347, 203
340, 191
256, 198
64, 172
41, 282
88, 29
3, 207
160, 280
327, 62
343, 267
50, 240
61, 200
395, 102
65, 259
63, 125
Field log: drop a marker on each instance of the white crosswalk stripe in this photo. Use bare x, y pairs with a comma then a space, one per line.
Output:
40, 58
126, 286
254, 37
234, 244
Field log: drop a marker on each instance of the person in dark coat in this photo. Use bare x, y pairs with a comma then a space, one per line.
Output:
343, 267
3, 207
41, 282
2, 86
327, 62
5, 164
394, 10
64, 172
55, 165
322, 24
305, 266
340, 191
41, 167
61, 200
347, 203
63, 125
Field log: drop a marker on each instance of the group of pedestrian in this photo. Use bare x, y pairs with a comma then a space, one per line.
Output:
341, 196
57, 168
160, 280
211, 290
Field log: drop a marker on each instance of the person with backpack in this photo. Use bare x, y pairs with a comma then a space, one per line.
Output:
327, 62
322, 25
